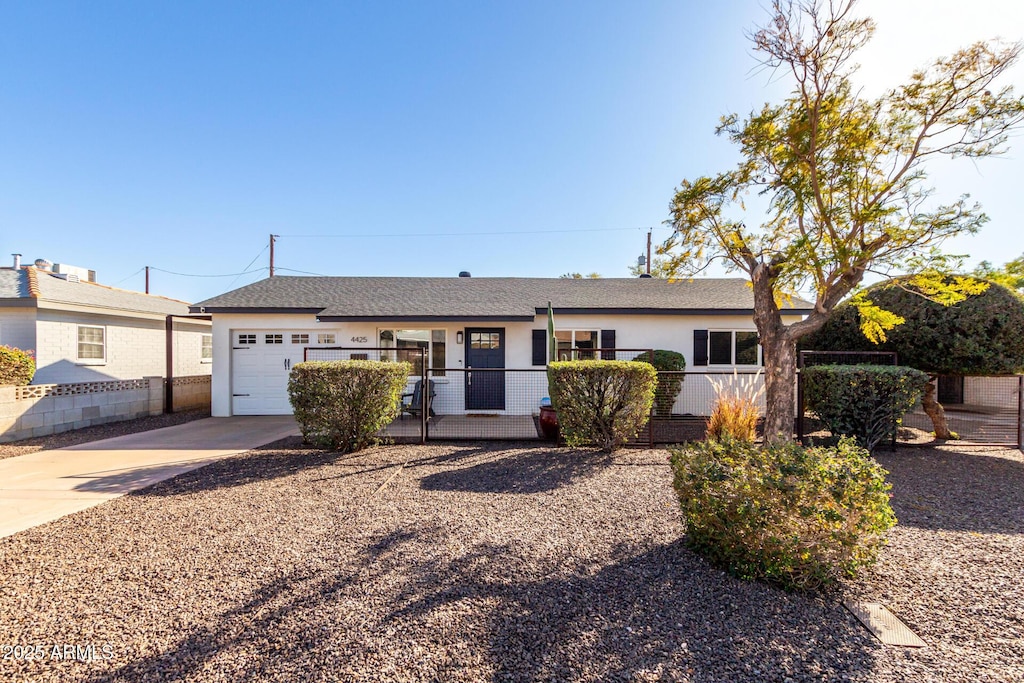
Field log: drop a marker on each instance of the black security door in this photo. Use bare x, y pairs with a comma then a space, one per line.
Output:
485, 388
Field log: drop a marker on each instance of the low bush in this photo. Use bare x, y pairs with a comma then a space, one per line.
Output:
603, 403
866, 402
17, 367
667, 363
343, 404
796, 517
736, 411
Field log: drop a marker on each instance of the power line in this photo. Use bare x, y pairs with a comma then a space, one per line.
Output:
475, 234
304, 272
129, 277
248, 266
194, 274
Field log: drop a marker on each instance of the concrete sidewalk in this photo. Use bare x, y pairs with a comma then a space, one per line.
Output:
40, 487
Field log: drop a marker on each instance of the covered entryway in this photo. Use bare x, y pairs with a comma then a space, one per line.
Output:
485, 356
260, 363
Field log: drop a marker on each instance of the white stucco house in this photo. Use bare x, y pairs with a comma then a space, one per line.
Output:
81, 331
261, 330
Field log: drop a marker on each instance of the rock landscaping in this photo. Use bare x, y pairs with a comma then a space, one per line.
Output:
495, 562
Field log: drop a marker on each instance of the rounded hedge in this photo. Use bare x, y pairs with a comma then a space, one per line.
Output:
665, 361
796, 517
344, 404
17, 367
982, 335
602, 403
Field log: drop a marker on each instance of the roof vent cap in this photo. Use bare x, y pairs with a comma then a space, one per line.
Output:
42, 264
465, 273
644, 275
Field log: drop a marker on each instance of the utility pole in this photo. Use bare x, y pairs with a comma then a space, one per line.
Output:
272, 236
147, 279
649, 230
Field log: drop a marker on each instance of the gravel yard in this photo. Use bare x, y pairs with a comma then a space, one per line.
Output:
104, 431
495, 562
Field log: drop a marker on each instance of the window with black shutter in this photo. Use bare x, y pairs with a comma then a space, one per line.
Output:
700, 347
540, 347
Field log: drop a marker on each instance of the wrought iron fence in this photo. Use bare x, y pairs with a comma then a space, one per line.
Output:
979, 410
505, 403
809, 358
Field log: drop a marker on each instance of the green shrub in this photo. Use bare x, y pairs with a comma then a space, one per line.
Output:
601, 402
982, 335
866, 402
16, 366
796, 517
343, 404
668, 384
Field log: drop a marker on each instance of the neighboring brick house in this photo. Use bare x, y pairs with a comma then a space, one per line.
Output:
262, 329
81, 331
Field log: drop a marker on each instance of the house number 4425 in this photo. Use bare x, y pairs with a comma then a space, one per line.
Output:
359, 340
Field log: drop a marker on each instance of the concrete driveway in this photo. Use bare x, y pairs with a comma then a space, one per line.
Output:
40, 487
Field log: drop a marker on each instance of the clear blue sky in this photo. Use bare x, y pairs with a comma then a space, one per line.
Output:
179, 135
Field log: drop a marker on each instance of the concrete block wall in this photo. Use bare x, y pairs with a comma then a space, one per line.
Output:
44, 409
191, 393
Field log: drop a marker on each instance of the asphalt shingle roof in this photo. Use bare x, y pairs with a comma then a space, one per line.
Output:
391, 297
15, 285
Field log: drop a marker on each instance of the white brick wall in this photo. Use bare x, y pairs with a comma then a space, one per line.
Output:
17, 328
134, 348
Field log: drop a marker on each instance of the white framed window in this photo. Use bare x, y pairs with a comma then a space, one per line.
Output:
733, 347
246, 339
92, 344
568, 340
300, 338
406, 344
206, 349
325, 338
273, 339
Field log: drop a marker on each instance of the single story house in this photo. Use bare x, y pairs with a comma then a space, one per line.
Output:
462, 323
81, 331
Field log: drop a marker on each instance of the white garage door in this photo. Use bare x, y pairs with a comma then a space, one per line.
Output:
260, 363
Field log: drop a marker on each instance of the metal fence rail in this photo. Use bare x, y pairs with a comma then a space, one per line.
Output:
504, 403
980, 410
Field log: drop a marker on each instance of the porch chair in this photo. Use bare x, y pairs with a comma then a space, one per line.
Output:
415, 404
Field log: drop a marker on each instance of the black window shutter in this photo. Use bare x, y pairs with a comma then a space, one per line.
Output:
607, 342
700, 347
540, 347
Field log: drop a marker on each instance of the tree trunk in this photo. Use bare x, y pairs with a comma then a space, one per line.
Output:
780, 388
779, 360
934, 410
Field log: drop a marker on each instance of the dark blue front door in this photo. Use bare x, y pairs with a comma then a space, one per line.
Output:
485, 383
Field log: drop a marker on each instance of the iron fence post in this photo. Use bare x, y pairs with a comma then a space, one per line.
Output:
1020, 412
424, 396
799, 406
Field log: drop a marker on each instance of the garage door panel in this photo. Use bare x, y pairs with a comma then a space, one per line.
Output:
260, 365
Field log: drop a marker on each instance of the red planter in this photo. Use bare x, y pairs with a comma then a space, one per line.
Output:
549, 423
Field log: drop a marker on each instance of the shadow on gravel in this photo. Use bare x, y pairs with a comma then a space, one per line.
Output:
531, 471
658, 615
652, 616
262, 464
956, 491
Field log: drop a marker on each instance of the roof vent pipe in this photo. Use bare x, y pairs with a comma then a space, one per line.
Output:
465, 273
17, 261
43, 264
